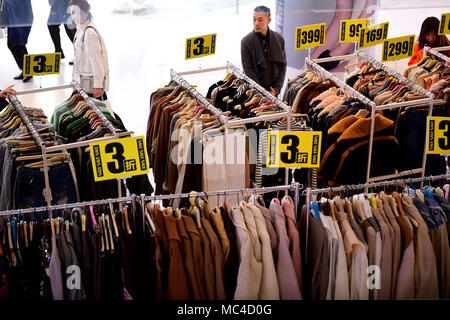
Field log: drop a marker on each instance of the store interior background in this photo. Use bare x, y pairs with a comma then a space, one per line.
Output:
146, 42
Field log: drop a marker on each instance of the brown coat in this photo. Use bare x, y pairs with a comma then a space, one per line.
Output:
208, 266
217, 255
197, 253
177, 286
188, 258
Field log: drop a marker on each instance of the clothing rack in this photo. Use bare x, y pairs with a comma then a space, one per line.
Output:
435, 52
310, 192
194, 93
293, 187
64, 147
374, 108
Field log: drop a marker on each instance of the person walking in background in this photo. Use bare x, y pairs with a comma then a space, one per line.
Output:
429, 36
91, 67
20, 19
59, 15
263, 54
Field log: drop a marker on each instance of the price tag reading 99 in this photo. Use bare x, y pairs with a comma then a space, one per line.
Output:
444, 27
310, 36
373, 35
350, 29
398, 48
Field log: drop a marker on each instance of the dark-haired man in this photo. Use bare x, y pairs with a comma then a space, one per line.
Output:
263, 54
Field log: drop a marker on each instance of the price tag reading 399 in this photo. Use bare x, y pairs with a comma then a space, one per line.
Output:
444, 27
438, 135
373, 35
350, 29
201, 46
41, 64
293, 149
398, 48
119, 158
310, 36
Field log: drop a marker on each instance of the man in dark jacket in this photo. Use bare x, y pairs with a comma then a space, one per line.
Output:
59, 15
263, 54
20, 19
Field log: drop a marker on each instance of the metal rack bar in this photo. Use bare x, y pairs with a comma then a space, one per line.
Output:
435, 52
39, 90
292, 187
186, 73
202, 100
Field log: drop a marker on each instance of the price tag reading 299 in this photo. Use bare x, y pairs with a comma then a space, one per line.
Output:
373, 35
398, 48
201, 46
293, 149
119, 158
310, 36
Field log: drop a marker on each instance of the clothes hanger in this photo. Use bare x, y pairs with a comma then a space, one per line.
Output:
125, 216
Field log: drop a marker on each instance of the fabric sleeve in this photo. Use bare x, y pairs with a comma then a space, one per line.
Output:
246, 54
94, 53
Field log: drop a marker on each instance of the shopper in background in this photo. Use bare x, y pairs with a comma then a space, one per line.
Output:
20, 18
90, 68
263, 54
59, 15
429, 36
3, 95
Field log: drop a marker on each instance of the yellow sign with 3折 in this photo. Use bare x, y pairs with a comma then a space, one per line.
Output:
310, 36
350, 29
373, 35
444, 27
119, 158
438, 135
41, 64
398, 48
201, 46
293, 149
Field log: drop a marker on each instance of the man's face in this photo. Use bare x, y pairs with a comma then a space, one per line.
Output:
261, 22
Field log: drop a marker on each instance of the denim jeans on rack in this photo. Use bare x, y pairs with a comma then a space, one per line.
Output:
30, 183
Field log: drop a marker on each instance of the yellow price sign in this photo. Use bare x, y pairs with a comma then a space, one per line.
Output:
373, 35
294, 149
438, 135
41, 64
201, 46
444, 27
119, 158
398, 48
350, 29
310, 36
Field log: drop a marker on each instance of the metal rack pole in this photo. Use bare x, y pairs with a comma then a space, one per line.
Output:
436, 53
292, 187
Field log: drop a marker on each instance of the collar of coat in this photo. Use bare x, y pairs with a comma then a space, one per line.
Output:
275, 52
353, 127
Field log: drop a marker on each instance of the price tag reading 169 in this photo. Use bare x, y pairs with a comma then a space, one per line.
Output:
310, 36
373, 35
398, 48
293, 149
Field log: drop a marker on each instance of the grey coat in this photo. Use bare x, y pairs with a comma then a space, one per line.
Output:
253, 59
